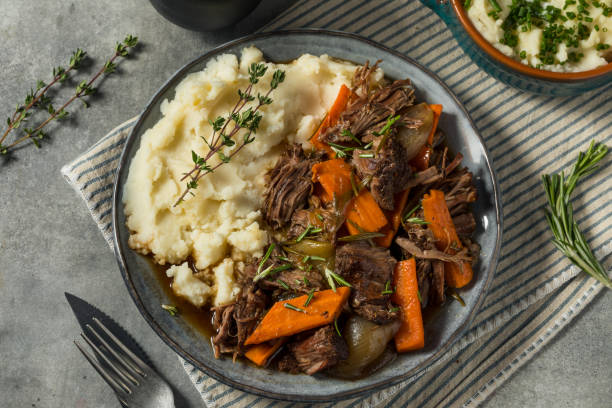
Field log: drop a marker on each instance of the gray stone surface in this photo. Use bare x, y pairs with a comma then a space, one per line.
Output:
48, 243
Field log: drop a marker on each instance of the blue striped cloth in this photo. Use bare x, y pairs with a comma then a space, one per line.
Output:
536, 291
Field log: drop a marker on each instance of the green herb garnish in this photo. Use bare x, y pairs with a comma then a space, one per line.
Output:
361, 236
310, 296
265, 258
170, 309
567, 236
290, 306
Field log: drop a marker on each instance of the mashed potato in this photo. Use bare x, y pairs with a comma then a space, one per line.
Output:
595, 44
220, 227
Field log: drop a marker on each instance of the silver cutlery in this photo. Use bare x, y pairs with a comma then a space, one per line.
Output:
135, 383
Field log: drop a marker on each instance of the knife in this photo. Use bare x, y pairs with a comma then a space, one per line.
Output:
85, 312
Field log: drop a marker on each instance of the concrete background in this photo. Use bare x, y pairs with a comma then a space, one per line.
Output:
49, 244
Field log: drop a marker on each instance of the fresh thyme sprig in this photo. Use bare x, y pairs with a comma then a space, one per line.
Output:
248, 120
567, 237
39, 98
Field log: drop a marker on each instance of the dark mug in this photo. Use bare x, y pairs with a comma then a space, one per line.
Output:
204, 15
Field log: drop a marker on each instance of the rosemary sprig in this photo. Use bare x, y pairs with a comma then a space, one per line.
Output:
336, 327
388, 289
225, 135
39, 98
567, 237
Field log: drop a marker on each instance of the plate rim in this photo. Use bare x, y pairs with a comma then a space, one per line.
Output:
221, 377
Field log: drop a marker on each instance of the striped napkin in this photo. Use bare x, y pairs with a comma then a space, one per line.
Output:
536, 291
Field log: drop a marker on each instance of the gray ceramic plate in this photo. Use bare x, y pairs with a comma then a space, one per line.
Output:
440, 334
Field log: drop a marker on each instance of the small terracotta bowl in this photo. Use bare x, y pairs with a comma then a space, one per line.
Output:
511, 71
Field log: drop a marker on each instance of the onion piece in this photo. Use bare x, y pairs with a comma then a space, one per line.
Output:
366, 342
414, 139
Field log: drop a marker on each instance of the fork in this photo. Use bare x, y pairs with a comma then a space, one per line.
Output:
135, 383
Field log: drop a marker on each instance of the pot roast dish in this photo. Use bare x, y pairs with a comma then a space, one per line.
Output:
318, 247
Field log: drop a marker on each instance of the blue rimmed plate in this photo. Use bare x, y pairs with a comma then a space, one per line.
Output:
440, 333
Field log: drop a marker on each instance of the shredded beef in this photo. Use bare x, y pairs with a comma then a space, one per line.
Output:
367, 269
319, 350
412, 249
437, 283
288, 187
314, 217
236, 321
287, 363
423, 269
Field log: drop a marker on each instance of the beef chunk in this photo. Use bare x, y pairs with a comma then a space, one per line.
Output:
389, 171
287, 363
316, 218
465, 224
288, 186
320, 350
367, 269
294, 279
236, 321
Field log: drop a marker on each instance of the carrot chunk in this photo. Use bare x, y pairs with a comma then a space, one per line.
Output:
363, 214
441, 225
260, 353
421, 160
334, 176
411, 334
288, 317
394, 219
331, 118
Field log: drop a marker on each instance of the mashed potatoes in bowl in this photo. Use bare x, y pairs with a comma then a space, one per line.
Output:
554, 35
219, 227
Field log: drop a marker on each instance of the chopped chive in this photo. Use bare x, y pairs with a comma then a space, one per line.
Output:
290, 306
170, 309
310, 296
303, 234
270, 270
344, 149
319, 216
265, 258
495, 5
317, 258
394, 309
416, 220
339, 153
283, 284
306, 281
315, 230
412, 211
284, 258
306, 258
331, 276
362, 236
388, 290
366, 155
350, 134
336, 326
